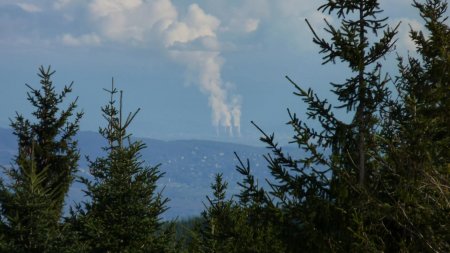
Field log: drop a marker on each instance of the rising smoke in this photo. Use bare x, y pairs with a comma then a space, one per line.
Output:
190, 40
207, 66
193, 42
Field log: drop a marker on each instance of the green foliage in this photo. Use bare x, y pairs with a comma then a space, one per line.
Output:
184, 231
32, 200
216, 233
417, 137
125, 208
364, 91
320, 195
27, 210
52, 136
424, 89
228, 226
381, 182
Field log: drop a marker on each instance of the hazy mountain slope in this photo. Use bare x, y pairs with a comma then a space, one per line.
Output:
189, 166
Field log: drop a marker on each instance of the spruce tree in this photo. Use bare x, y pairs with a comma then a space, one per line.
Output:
230, 226
364, 92
379, 183
124, 211
27, 206
215, 234
51, 137
323, 196
424, 87
259, 218
32, 198
417, 138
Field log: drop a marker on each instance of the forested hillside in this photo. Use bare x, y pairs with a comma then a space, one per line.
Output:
189, 167
379, 182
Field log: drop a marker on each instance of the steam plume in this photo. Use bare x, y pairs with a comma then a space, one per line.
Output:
193, 42
190, 40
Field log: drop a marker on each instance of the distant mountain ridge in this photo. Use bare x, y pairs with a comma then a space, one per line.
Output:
189, 166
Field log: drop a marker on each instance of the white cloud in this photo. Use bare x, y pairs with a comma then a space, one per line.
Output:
197, 24
404, 41
31, 8
293, 25
132, 20
83, 40
244, 17
105, 8
252, 9
251, 25
241, 25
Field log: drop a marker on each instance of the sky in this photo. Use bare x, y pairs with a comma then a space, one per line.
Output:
197, 69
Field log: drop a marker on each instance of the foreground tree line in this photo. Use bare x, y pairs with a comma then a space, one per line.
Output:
379, 182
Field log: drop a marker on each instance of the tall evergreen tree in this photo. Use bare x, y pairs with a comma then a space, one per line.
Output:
216, 233
124, 214
363, 93
259, 218
320, 194
324, 196
51, 136
424, 87
381, 182
229, 226
32, 200
417, 138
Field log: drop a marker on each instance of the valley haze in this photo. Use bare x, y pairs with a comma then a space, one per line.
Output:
189, 167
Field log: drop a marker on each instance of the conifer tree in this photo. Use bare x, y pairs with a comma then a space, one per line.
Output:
27, 208
377, 184
417, 138
229, 226
381, 182
424, 87
259, 220
322, 196
216, 233
364, 92
51, 135
124, 213
33, 197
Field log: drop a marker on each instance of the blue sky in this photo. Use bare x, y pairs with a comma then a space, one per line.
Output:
197, 69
